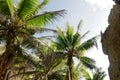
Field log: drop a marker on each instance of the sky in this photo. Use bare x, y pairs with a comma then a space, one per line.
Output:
94, 14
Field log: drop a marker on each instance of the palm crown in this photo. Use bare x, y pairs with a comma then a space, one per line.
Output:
18, 23
70, 43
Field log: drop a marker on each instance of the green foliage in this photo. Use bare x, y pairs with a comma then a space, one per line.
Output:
11, 6
70, 43
88, 44
43, 3
26, 8
99, 75
43, 19
86, 74
4, 9
69, 34
32, 56
88, 62
17, 32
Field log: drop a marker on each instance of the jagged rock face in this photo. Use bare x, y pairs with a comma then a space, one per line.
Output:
111, 42
117, 1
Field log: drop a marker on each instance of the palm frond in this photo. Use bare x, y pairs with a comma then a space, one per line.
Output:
31, 61
43, 19
84, 35
60, 65
43, 3
45, 30
47, 37
11, 6
58, 60
58, 45
88, 44
52, 60
26, 56
79, 25
30, 41
4, 9
69, 34
99, 75
86, 74
26, 8
32, 31
60, 40
76, 39
88, 62
75, 72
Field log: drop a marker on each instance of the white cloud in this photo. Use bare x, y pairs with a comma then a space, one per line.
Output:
101, 3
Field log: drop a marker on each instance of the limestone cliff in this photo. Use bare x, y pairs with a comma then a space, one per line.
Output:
111, 42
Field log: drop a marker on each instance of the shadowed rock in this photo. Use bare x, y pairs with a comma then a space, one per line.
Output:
111, 42
117, 1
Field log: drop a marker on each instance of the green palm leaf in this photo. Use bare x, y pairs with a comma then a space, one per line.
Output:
61, 41
88, 62
87, 44
43, 3
17, 28
51, 60
26, 8
40, 20
4, 9
69, 34
99, 75
31, 42
84, 35
46, 30
86, 74
32, 31
70, 43
58, 45
60, 65
11, 6
29, 58
79, 25
76, 39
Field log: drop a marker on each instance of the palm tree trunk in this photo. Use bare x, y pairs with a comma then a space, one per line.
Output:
6, 59
69, 63
46, 77
70, 73
111, 42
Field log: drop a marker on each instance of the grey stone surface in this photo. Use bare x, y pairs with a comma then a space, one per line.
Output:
111, 42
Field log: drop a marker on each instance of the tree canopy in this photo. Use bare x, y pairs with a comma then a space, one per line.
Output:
27, 57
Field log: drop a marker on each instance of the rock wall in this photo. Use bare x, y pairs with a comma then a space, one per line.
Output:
111, 42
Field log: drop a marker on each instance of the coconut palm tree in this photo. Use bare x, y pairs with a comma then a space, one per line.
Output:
70, 42
51, 66
18, 23
96, 74
20, 67
81, 72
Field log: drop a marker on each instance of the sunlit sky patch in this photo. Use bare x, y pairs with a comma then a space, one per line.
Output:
100, 3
